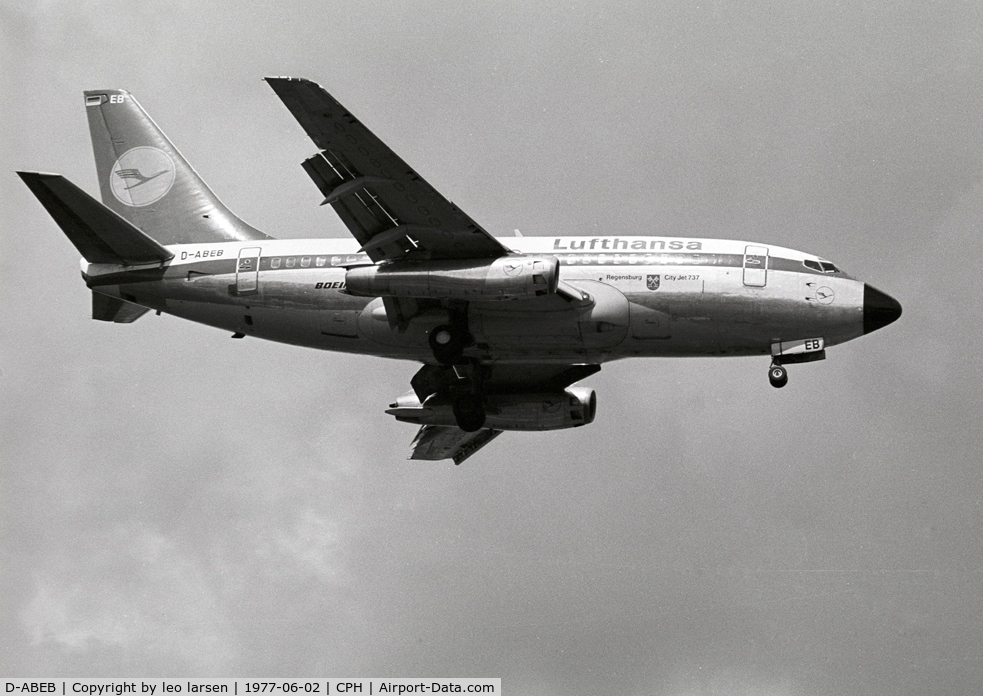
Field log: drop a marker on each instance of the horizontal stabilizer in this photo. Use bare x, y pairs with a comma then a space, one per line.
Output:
100, 234
106, 308
435, 442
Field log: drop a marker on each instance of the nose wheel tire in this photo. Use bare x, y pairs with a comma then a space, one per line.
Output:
448, 343
469, 412
778, 376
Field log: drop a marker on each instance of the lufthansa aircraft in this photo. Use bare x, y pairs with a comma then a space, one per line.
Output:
503, 327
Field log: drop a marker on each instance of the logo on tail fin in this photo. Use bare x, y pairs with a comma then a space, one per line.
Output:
135, 174
142, 176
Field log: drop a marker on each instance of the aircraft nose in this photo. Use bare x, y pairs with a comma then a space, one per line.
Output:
880, 309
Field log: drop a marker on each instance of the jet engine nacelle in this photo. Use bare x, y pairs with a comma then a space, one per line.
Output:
504, 278
573, 407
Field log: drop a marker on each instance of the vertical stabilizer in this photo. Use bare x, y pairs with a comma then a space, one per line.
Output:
145, 179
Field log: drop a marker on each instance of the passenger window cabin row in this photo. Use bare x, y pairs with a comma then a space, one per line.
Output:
319, 261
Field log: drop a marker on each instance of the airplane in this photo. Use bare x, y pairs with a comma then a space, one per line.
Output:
504, 327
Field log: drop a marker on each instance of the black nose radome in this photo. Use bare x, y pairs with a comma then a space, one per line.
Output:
879, 309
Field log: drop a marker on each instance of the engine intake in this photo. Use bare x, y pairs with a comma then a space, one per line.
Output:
504, 278
573, 407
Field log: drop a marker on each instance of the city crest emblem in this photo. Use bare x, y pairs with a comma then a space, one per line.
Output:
652, 282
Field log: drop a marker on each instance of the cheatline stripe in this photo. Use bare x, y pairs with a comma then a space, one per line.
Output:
579, 260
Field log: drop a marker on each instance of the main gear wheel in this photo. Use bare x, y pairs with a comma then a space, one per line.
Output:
448, 342
469, 412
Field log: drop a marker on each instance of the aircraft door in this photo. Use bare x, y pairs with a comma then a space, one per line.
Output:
755, 266
247, 271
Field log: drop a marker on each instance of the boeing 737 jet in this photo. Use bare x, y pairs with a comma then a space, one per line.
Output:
503, 327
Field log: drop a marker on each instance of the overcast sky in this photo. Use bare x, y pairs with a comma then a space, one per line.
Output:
176, 503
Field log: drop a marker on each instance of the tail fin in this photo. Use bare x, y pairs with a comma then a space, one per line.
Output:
145, 179
97, 232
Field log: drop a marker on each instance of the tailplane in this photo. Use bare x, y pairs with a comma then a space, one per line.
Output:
106, 308
146, 181
100, 235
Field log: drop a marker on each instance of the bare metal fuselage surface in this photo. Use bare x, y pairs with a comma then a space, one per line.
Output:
644, 296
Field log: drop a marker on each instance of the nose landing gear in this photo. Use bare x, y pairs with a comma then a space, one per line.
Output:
797, 351
777, 375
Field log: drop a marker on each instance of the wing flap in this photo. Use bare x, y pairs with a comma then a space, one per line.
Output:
436, 442
373, 190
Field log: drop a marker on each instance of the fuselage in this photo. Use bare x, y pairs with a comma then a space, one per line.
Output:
505, 328
643, 296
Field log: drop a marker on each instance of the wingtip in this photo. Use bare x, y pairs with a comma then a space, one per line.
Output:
275, 81
285, 78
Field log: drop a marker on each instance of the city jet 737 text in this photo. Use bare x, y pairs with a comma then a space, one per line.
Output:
503, 327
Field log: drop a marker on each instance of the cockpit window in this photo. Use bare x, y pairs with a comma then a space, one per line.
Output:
821, 266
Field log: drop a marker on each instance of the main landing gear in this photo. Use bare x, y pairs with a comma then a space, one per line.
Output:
461, 379
469, 412
448, 342
777, 375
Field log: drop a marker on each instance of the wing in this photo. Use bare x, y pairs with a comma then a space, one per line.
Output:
387, 206
436, 442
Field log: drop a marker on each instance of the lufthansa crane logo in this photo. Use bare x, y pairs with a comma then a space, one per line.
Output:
142, 176
825, 295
